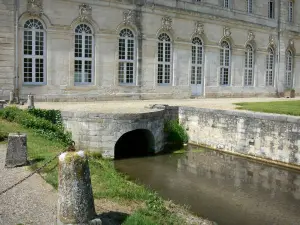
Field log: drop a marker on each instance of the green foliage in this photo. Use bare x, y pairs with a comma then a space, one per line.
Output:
52, 131
175, 132
279, 107
54, 116
3, 135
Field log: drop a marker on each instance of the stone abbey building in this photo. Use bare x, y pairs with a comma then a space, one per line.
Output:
76, 50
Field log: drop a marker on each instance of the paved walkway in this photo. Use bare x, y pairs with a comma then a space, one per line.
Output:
32, 202
135, 106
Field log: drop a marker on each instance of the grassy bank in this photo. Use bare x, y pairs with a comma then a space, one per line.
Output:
284, 107
107, 183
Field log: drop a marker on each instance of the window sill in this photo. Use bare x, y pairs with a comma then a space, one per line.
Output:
127, 85
34, 84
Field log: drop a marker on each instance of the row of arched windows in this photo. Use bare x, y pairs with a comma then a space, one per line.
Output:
34, 58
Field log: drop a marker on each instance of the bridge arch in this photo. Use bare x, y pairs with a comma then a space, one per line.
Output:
135, 143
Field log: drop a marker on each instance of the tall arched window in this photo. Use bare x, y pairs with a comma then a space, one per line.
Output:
289, 69
197, 61
164, 59
248, 81
291, 11
84, 45
34, 52
224, 63
270, 68
126, 57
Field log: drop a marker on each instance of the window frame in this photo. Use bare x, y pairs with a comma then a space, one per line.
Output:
164, 63
223, 63
249, 5
271, 52
271, 12
197, 65
249, 58
289, 69
291, 11
127, 61
33, 56
83, 59
226, 4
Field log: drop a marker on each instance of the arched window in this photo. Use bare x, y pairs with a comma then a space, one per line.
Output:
126, 57
224, 63
248, 81
197, 61
164, 59
289, 69
34, 52
270, 67
249, 6
84, 45
291, 11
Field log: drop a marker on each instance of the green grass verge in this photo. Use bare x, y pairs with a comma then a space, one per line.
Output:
283, 107
106, 181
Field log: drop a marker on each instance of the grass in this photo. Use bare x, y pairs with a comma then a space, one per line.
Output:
106, 181
282, 107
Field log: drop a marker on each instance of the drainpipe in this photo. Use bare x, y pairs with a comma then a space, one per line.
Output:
278, 45
17, 5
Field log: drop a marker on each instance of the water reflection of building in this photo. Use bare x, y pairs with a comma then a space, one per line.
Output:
242, 174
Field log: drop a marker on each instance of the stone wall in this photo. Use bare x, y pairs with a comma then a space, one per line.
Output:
267, 136
7, 41
100, 131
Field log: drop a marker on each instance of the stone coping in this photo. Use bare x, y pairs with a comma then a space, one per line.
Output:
248, 114
114, 116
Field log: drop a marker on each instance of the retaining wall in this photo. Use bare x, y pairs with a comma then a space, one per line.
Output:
267, 136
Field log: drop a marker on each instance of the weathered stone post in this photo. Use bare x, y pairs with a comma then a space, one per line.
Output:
16, 154
30, 102
75, 194
11, 97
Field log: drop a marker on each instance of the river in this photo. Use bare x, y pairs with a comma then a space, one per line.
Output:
227, 189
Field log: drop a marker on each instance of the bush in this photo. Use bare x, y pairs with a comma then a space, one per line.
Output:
54, 116
176, 134
3, 136
45, 127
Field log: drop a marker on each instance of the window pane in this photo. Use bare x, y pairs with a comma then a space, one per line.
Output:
160, 74
27, 42
129, 73
27, 70
167, 74
88, 71
78, 70
193, 75
39, 70
88, 47
78, 46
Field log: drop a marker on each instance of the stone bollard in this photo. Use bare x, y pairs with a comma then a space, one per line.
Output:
75, 194
30, 102
16, 154
11, 97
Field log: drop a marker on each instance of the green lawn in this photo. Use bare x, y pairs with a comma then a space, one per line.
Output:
106, 182
282, 107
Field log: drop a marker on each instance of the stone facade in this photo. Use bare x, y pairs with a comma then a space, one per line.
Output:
266, 136
102, 76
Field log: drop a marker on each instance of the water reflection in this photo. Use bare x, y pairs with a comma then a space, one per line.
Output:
224, 188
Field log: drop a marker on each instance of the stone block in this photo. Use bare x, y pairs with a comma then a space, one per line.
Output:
16, 154
75, 194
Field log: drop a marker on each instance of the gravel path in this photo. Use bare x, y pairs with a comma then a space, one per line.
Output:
135, 106
32, 202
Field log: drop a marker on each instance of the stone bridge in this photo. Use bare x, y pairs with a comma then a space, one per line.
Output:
115, 135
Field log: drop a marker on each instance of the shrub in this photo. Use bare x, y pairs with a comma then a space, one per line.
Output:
3, 136
175, 132
52, 131
54, 116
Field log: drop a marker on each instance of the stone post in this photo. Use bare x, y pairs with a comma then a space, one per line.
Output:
75, 194
11, 97
30, 102
16, 154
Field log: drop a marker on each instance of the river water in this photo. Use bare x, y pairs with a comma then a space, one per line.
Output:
223, 188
